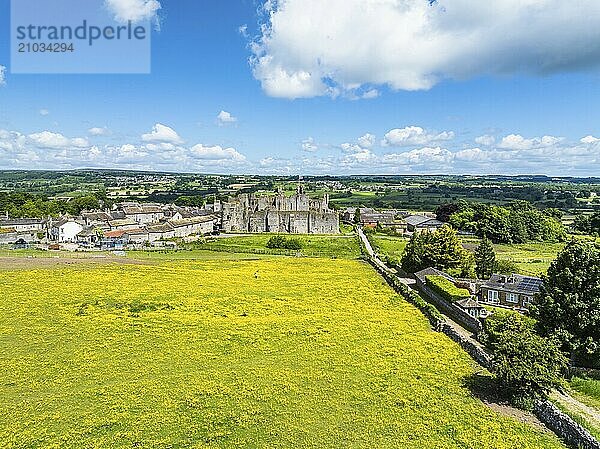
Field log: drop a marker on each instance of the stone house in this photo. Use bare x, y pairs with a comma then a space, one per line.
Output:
24, 225
160, 232
144, 214
202, 225
514, 291
123, 224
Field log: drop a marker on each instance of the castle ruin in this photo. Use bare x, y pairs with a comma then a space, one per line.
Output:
297, 214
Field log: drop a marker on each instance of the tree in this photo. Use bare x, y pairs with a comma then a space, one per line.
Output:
527, 366
445, 211
357, 216
568, 304
440, 249
485, 259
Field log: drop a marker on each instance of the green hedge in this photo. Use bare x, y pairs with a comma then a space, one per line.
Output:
446, 288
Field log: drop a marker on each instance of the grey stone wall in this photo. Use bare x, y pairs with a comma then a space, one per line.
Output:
453, 311
561, 424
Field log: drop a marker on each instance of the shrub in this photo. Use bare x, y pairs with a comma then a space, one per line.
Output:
281, 242
504, 266
447, 289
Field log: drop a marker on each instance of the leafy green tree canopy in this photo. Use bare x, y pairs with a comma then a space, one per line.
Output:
568, 305
485, 259
440, 249
527, 365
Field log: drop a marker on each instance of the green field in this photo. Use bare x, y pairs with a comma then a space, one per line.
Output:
530, 258
391, 246
342, 246
289, 352
587, 389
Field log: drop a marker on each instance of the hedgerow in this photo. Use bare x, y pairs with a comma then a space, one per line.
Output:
446, 288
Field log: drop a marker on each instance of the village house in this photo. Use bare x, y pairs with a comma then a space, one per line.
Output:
24, 225
144, 214
89, 236
514, 291
160, 231
123, 224
195, 225
28, 230
116, 240
137, 236
97, 219
419, 223
65, 230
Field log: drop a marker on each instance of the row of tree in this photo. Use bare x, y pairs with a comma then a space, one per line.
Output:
588, 224
519, 222
25, 205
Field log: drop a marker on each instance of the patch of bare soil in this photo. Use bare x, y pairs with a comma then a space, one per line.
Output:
518, 414
32, 263
483, 387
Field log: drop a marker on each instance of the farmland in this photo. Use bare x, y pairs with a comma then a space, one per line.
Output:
343, 246
286, 352
529, 258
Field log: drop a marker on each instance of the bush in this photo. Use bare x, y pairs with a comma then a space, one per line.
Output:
447, 289
504, 266
281, 242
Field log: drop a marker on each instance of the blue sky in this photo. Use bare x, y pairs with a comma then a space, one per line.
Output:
323, 75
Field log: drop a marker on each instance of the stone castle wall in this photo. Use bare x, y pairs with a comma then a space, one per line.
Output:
297, 214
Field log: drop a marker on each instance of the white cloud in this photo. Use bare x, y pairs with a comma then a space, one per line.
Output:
518, 142
309, 145
367, 141
422, 156
225, 118
97, 131
2, 75
351, 148
590, 139
47, 139
162, 133
313, 47
371, 93
414, 135
216, 153
134, 10
44, 112
485, 140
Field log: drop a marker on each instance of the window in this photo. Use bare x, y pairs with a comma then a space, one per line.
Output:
527, 300
493, 296
512, 297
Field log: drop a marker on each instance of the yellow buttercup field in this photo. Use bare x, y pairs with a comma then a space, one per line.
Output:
294, 353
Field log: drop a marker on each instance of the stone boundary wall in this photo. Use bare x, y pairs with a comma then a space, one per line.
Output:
561, 424
476, 352
454, 312
573, 434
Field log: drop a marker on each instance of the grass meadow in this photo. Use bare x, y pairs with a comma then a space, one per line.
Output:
342, 246
285, 352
